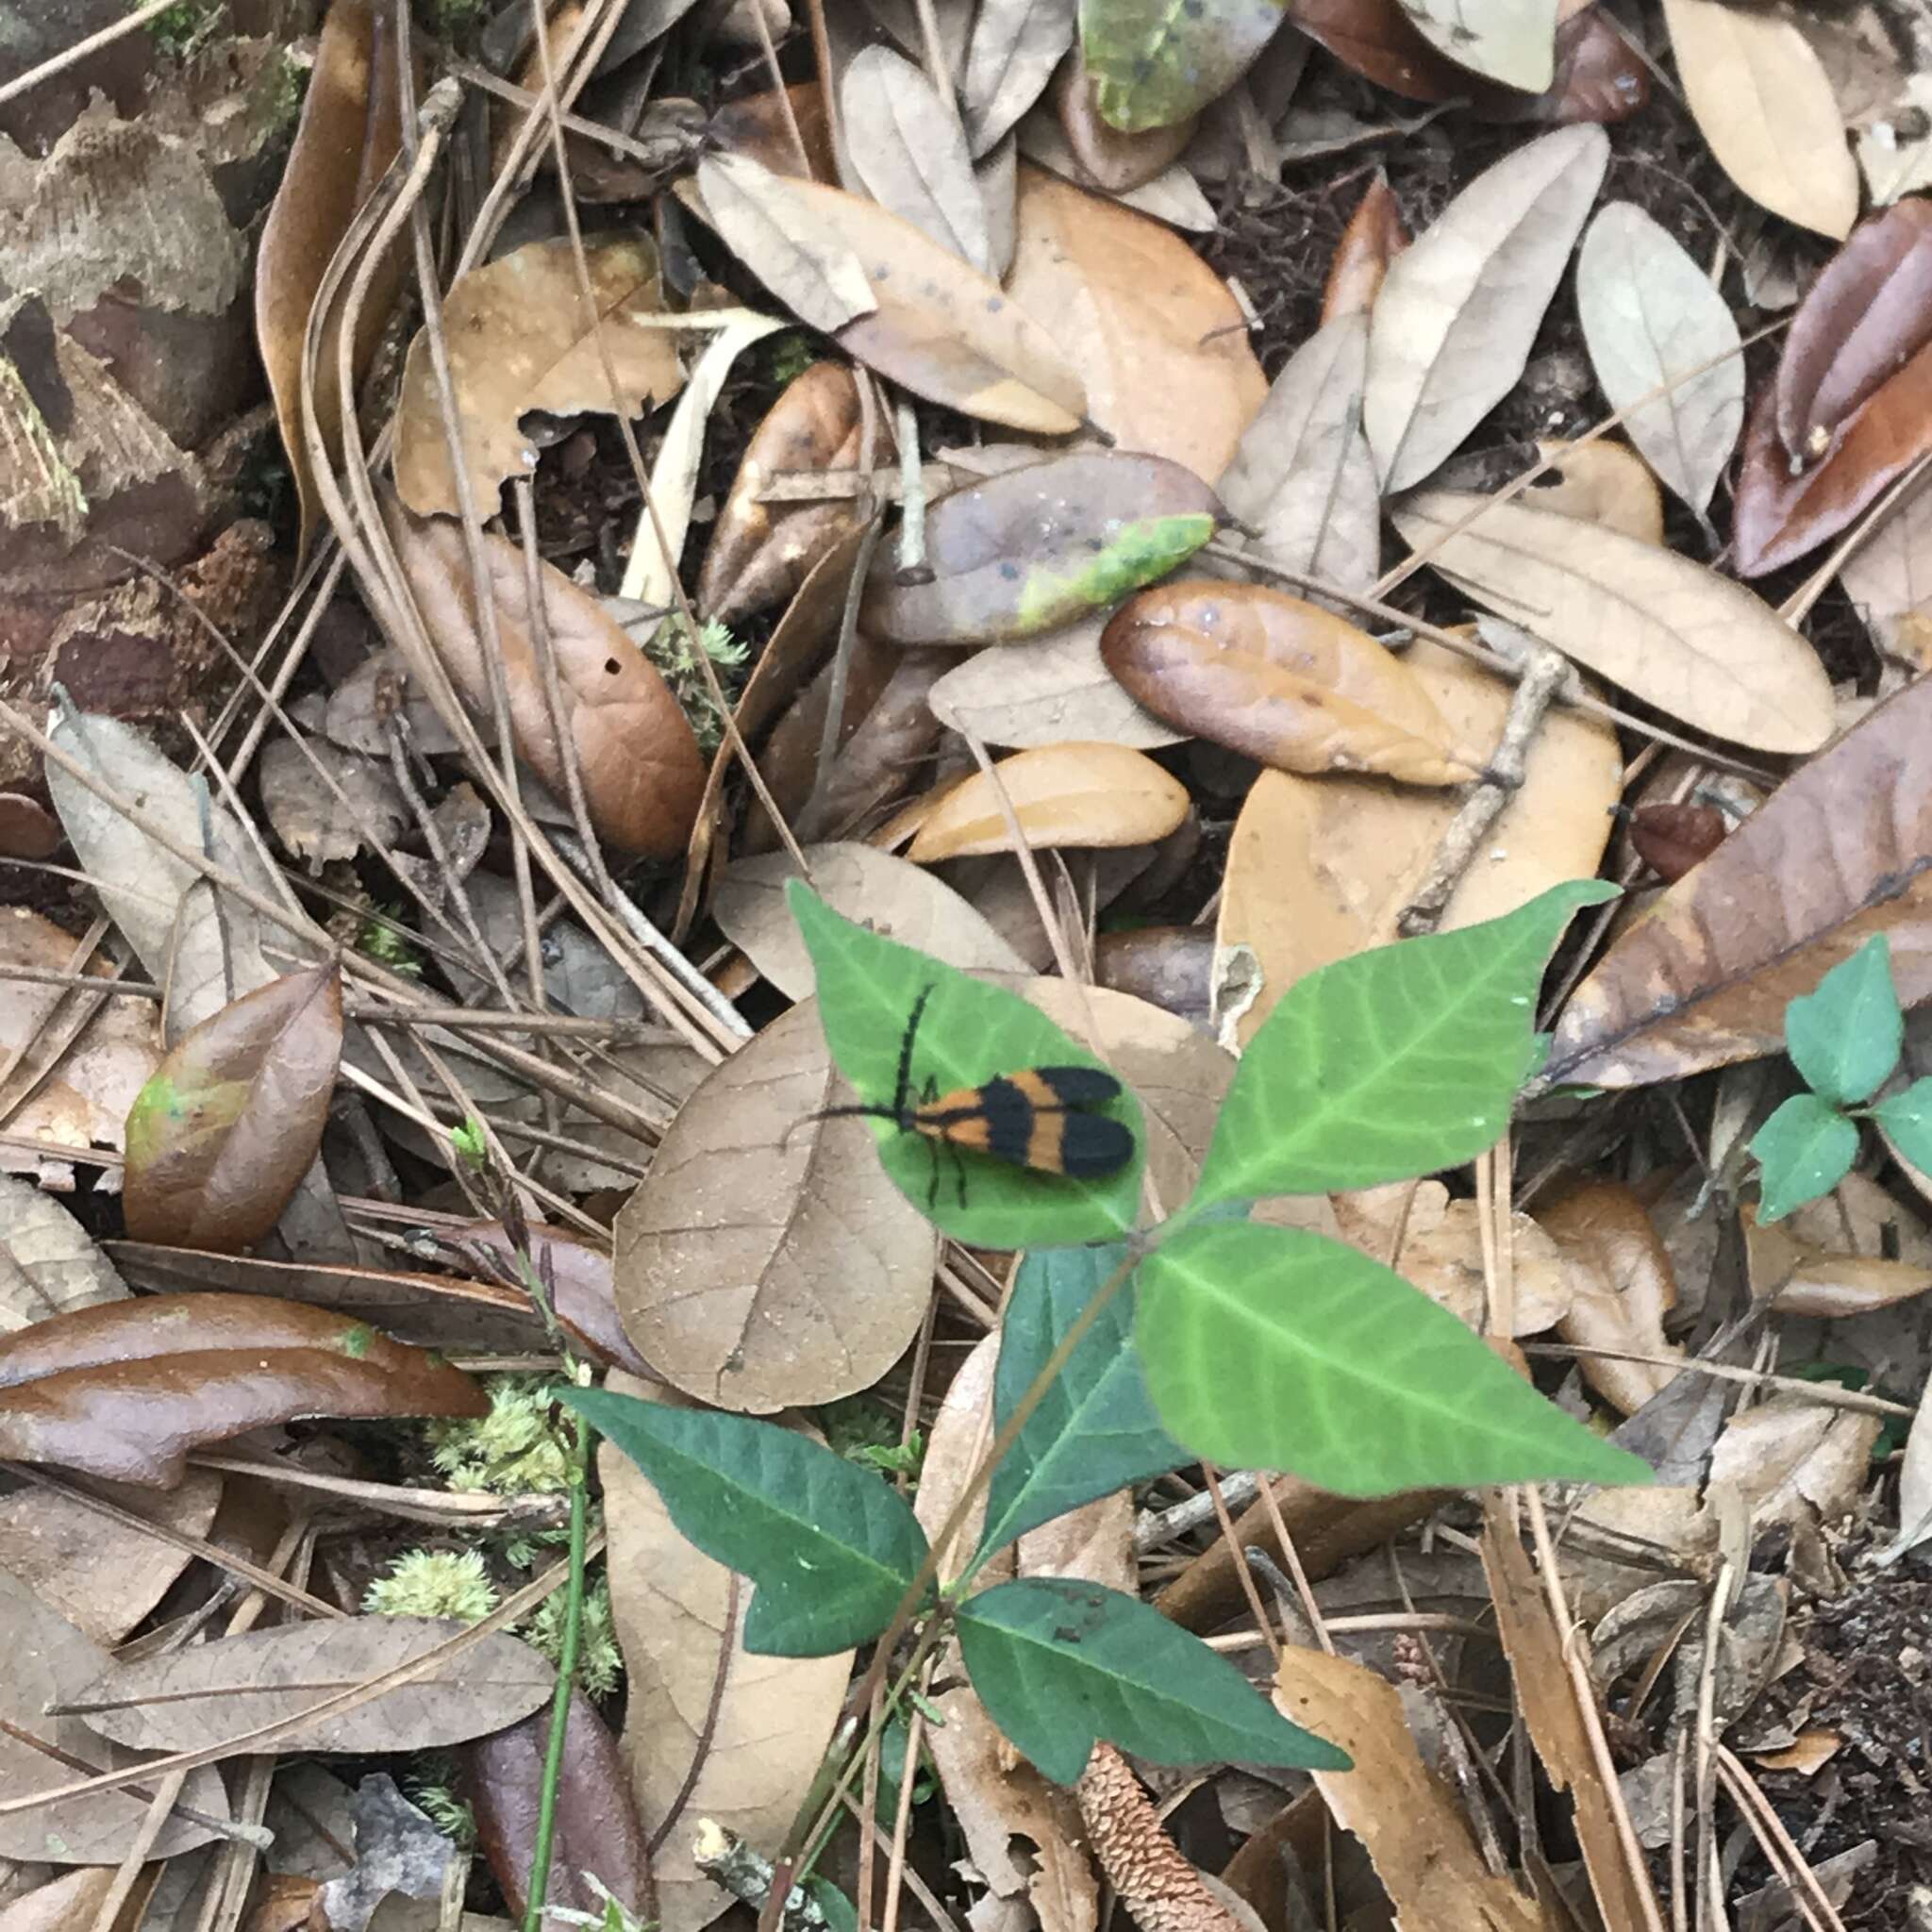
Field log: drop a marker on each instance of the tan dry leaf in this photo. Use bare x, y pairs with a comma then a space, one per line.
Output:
1062, 794
1054, 690
1888, 579
1838, 852
1602, 483
766, 1259
1625, 1290
1700, 647
1800, 1277
1795, 1461
519, 340
1460, 305
1763, 101
710, 1727
894, 899
1409, 1820
643, 775
934, 324
1319, 868
1158, 341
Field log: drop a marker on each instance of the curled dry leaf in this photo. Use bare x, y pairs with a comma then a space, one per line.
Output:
1027, 551
1795, 1461
1835, 854
1062, 794
1599, 76
935, 324
310, 819
1625, 1289
1459, 309
1375, 235
1651, 318
641, 771
349, 132
1801, 1277
1303, 476
1670, 839
1377, 38
1761, 99
125, 1389
218, 1141
46, 1661
711, 1730
1280, 680
909, 151
897, 900
1157, 338
207, 1694
1154, 64
1010, 56
520, 339
1056, 690
766, 1259
1698, 646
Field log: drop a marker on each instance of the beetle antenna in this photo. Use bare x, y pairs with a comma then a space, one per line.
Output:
904, 1083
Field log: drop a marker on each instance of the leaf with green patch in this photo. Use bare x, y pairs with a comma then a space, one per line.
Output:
1060, 1664
1391, 1063
1803, 1151
1157, 61
1846, 1038
969, 1031
1906, 1119
1272, 1348
1037, 548
1095, 1430
829, 1548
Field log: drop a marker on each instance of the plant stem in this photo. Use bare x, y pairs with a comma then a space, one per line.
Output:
538, 1886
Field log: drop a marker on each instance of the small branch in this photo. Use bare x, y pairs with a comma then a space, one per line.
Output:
726, 1861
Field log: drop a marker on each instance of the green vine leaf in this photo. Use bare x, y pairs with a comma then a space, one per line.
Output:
1803, 1151
1846, 1037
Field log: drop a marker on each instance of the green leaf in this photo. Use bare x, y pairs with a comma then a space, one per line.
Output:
829, 1548
1906, 1117
867, 987
1391, 1063
1804, 1150
1157, 61
1095, 1430
1271, 1348
1059, 1664
1846, 1038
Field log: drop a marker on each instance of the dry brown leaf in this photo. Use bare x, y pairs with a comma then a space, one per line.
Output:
1056, 689
1601, 482
348, 134
1108, 158
1375, 235
1837, 853
1625, 1290
519, 340
44, 1662
1699, 646
1169, 966
1062, 794
710, 1729
766, 1259
1158, 341
48, 1261
1888, 579
1794, 1461
1763, 101
1319, 869
643, 775
934, 324
1410, 1821
309, 818
894, 899
1799, 1277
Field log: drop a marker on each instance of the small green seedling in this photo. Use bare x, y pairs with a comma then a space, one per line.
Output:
1845, 1041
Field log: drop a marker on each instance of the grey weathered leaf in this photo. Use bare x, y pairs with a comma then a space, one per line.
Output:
1014, 48
1510, 41
815, 274
48, 1262
1053, 692
1650, 316
308, 815
907, 146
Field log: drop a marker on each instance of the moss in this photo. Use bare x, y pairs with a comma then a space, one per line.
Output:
670, 649
600, 1663
433, 1583
518, 1447
188, 26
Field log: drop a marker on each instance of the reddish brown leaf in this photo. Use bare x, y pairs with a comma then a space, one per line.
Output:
1374, 238
576, 1282
1374, 37
1281, 680
1116, 160
1670, 839
1599, 78
597, 1828
125, 1389
757, 126
1027, 551
641, 769
219, 1137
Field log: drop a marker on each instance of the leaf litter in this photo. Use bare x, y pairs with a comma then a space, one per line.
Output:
622, 1040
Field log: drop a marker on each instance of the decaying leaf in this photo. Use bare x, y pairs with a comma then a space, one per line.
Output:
908, 150
1838, 852
520, 339
1460, 305
1697, 645
1626, 1290
1793, 1462
219, 1137
1027, 551
1375, 235
1106, 156
1157, 338
909, 308
1888, 579
1055, 690
1062, 794
1764, 104
1376, 38
125, 1389
320, 824
1283, 682
766, 1259
47, 1262
641, 771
